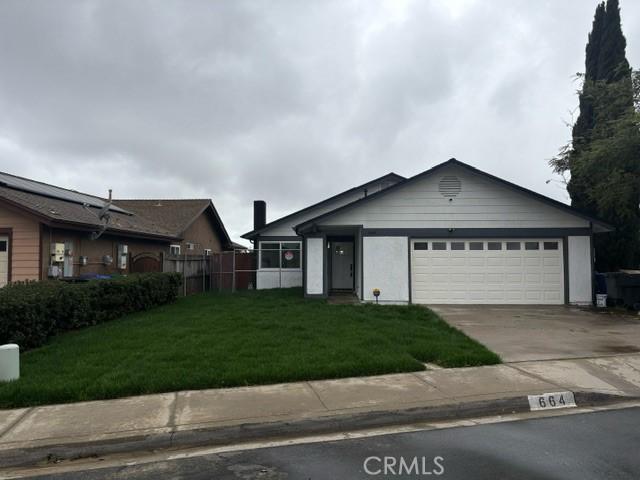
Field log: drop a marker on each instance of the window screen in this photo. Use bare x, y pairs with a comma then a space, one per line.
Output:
280, 255
269, 255
290, 255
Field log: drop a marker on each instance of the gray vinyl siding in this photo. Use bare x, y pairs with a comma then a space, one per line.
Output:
286, 228
481, 203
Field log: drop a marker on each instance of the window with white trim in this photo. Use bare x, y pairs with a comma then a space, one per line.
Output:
207, 252
286, 255
174, 249
191, 246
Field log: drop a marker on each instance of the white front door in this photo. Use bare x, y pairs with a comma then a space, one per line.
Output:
494, 271
342, 265
4, 260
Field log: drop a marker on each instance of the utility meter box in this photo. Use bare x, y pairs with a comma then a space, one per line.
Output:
123, 256
57, 252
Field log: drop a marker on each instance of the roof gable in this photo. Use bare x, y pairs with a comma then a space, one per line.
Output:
393, 178
176, 215
173, 215
325, 217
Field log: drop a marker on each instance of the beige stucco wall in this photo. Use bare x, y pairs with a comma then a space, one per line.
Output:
24, 243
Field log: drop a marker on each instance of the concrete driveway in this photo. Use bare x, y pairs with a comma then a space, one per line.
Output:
522, 333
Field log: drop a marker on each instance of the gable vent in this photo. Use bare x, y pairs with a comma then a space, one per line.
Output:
449, 186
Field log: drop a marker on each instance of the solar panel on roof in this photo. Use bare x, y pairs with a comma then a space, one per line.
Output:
54, 192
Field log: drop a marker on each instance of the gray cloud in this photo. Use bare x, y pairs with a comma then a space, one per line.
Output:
287, 101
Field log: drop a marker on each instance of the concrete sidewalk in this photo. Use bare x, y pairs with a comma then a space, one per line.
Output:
175, 419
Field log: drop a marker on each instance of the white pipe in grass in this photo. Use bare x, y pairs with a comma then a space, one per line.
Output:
9, 362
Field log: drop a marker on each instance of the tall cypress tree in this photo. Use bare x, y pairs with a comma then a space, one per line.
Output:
605, 62
612, 61
581, 133
604, 154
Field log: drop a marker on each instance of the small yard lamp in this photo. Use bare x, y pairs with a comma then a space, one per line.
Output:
376, 293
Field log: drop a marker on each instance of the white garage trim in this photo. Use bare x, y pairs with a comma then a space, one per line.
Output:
580, 275
487, 271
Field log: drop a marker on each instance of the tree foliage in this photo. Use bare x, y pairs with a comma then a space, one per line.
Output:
603, 157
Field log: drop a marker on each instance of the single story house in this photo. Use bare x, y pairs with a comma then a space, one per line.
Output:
48, 231
450, 235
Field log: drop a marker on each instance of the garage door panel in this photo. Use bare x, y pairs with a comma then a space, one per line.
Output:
513, 277
552, 297
458, 278
477, 278
477, 262
488, 276
554, 278
533, 261
533, 278
514, 296
440, 261
551, 262
495, 262
535, 296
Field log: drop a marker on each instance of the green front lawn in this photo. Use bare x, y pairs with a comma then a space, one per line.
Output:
225, 340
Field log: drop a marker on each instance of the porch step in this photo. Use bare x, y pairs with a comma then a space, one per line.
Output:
342, 298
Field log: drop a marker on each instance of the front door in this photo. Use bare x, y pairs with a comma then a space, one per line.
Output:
342, 265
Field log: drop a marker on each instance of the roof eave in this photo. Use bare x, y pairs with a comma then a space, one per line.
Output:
254, 233
111, 231
602, 225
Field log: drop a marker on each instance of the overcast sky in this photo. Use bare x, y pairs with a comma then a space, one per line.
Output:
286, 101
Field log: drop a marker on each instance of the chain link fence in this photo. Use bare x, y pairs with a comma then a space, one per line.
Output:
233, 270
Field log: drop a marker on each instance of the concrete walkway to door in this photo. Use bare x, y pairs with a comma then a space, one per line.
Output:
532, 332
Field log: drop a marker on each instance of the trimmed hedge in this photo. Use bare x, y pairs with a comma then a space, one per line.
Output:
31, 312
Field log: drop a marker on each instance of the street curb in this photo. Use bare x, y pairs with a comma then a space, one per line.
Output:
224, 435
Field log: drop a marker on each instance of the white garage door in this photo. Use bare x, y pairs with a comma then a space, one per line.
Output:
4, 260
497, 271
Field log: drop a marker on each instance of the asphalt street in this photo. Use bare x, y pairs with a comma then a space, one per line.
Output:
601, 445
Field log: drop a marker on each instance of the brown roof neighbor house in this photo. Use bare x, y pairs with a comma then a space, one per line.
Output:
48, 231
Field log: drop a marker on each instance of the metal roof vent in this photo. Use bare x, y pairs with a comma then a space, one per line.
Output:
449, 186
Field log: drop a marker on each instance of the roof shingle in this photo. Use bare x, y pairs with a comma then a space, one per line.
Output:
173, 215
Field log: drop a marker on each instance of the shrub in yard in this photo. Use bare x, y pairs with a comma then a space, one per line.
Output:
31, 312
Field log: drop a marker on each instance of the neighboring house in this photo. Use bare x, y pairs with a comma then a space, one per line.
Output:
195, 222
452, 234
47, 231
